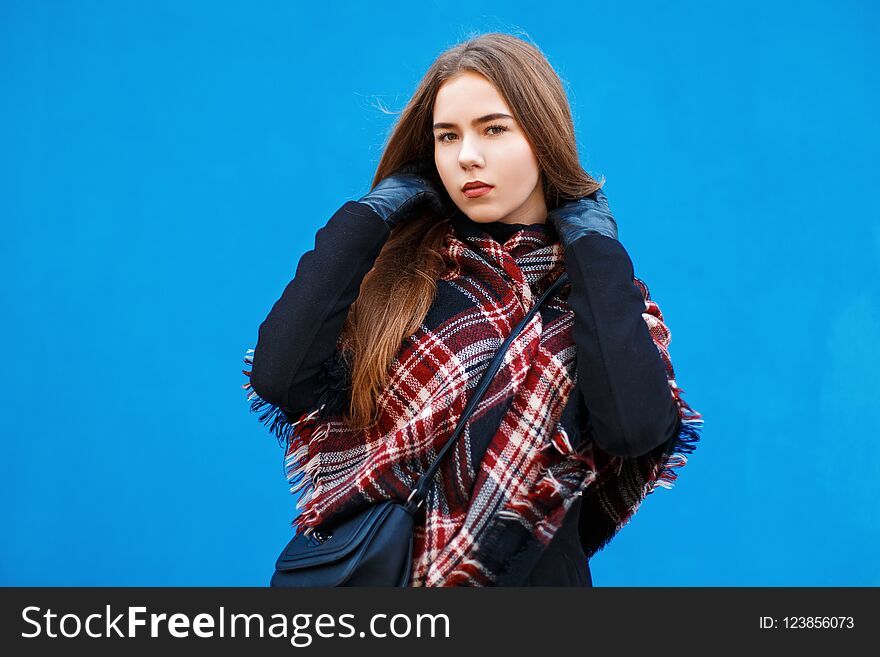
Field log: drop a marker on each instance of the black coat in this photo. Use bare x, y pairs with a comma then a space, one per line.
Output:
622, 382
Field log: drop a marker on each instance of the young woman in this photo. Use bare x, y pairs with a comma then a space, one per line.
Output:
366, 362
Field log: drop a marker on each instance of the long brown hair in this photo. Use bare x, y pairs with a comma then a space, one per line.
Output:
398, 291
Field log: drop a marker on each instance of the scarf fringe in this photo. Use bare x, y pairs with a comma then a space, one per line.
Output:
684, 443
296, 436
278, 423
673, 459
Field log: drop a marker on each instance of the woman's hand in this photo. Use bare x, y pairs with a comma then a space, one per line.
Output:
398, 195
582, 216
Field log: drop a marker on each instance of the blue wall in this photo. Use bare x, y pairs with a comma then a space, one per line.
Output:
165, 164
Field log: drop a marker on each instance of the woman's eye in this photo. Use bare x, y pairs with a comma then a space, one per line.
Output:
501, 129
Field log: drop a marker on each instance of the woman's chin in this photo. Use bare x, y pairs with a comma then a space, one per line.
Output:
481, 214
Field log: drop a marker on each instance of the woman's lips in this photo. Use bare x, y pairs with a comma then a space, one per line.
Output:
477, 191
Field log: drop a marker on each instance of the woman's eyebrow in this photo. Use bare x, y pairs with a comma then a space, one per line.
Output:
482, 119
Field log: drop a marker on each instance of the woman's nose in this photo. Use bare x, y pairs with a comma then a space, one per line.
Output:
469, 155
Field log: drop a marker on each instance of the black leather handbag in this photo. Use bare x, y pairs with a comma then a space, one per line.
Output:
374, 547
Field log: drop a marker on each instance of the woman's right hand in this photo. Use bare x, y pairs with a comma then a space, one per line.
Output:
397, 195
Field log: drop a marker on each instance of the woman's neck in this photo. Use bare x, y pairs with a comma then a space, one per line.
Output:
500, 231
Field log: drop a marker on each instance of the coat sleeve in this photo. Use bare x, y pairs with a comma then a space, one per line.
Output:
622, 375
299, 336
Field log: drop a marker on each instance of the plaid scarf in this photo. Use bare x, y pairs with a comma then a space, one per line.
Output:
501, 494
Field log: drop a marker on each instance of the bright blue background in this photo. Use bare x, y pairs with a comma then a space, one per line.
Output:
163, 166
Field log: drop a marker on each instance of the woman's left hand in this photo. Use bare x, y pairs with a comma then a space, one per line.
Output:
582, 216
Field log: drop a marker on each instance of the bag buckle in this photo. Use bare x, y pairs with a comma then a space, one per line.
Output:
409, 499
320, 536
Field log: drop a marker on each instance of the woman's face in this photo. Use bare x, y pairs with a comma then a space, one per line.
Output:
476, 138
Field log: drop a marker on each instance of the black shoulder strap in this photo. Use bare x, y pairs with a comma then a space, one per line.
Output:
421, 490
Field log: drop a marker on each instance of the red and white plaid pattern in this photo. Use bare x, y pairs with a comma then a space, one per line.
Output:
515, 470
